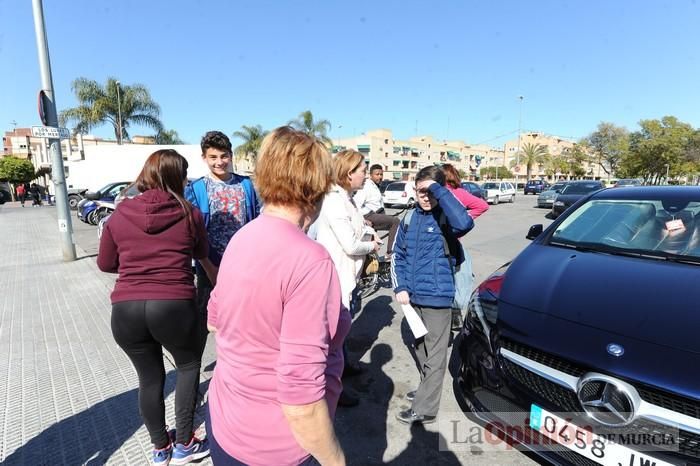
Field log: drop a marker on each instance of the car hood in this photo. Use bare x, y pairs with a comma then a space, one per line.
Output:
548, 194
587, 301
644, 299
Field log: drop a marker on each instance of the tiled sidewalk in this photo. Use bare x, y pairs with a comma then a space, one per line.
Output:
67, 391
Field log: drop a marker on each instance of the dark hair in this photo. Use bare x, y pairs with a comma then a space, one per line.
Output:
166, 170
215, 140
376, 166
452, 177
431, 173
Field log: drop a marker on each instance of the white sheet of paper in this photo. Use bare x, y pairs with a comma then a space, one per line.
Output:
414, 321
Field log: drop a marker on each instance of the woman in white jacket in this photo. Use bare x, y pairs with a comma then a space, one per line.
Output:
341, 228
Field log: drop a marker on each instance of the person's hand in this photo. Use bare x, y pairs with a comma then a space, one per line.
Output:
377, 246
368, 222
424, 184
402, 297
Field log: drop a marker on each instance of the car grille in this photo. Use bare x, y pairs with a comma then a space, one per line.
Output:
662, 398
566, 400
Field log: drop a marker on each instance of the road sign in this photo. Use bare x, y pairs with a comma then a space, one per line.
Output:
49, 132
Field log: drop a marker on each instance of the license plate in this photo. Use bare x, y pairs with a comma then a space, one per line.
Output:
586, 443
549, 201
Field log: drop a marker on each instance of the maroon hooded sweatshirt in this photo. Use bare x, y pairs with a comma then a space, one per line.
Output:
148, 241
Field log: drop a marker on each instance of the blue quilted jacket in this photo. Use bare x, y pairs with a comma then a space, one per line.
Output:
419, 264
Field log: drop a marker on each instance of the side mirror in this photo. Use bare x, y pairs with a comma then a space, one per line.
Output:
535, 231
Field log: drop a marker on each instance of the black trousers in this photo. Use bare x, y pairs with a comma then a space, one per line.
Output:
142, 329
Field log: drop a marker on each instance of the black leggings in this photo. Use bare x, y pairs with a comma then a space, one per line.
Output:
142, 329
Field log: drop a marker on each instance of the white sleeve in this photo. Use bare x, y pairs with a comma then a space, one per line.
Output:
339, 223
360, 198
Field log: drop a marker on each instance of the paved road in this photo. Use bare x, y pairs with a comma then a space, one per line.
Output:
62, 376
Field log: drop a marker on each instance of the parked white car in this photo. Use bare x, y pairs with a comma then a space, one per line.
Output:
499, 191
400, 193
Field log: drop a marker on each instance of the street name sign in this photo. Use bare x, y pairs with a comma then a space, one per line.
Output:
50, 132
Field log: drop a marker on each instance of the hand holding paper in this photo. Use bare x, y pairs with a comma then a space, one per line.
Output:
414, 321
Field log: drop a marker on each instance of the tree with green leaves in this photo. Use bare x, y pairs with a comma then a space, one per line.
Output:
532, 154
168, 137
659, 146
252, 137
496, 173
609, 143
319, 129
98, 105
16, 170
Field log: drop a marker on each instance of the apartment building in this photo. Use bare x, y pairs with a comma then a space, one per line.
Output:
403, 158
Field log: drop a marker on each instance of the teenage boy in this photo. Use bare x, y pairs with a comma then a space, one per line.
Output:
369, 202
423, 276
227, 202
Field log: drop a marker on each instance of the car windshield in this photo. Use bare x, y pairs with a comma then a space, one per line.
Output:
491, 186
556, 186
395, 187
580, 188
649, 228
628, 182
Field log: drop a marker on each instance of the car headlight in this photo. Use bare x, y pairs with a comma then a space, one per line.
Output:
559, 204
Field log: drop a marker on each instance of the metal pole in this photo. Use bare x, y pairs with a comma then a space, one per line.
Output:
65, 227
520, 120
666, 173
119, 110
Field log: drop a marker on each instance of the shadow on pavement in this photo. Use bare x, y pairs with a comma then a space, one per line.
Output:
424, 449
92, 436
371, 415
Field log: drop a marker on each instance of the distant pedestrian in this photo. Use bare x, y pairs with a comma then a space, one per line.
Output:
279, 322
35, 192
227, 202
21, 192
422, 274
150, 241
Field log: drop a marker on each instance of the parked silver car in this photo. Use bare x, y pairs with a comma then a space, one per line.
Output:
546, 198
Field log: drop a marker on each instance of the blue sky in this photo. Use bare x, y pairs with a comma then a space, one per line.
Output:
453, 69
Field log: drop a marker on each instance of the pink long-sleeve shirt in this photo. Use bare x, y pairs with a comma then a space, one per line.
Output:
475, 205
280, 329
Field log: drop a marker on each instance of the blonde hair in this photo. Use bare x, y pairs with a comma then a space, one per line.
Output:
344, 163
293, 169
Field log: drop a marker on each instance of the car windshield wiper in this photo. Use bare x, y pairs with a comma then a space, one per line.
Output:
630, 252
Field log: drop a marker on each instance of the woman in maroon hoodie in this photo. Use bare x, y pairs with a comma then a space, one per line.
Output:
150, 241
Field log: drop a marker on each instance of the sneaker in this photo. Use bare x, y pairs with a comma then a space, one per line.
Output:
409, 417
193, 451
161, 457
410, 395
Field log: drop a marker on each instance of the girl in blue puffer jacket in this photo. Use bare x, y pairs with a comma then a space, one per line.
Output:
422, 274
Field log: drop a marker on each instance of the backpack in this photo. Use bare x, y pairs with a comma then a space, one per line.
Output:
462, 273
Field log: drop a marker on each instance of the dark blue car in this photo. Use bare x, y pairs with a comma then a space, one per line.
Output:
598, 361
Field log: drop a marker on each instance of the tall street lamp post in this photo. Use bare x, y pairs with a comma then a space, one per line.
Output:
520, 120
119, 112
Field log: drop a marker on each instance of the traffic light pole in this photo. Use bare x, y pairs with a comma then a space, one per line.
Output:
65, 227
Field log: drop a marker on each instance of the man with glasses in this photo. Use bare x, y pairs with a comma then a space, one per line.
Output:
227, 202
369, 202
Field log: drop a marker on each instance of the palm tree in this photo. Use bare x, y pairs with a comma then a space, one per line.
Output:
252, 137
319, 129
168, 137
111, 103
534, 154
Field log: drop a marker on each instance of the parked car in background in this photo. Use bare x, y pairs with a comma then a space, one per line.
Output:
548, 196
628, 183
618, 295
474, 189
535, 187
499, 191
399, 193
572, 192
